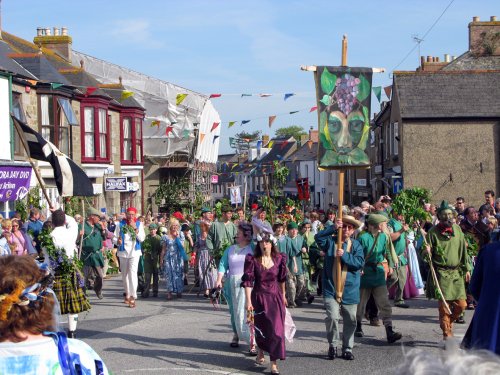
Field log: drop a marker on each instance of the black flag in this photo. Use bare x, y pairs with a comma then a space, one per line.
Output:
71, 180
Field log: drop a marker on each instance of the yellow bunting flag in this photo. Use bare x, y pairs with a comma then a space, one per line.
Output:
180, 98
126, 94
202, 137
270, 144
32, 81
271, 120
155, 123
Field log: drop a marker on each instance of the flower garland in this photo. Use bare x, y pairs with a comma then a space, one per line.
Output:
59, 262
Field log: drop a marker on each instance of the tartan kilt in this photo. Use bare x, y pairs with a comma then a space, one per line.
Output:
72, 298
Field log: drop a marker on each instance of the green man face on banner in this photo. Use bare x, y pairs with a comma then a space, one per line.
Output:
344, 122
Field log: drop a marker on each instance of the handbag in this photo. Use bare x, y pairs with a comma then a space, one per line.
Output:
290, 328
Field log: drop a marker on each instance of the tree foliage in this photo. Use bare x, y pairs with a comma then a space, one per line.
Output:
251, 136
172, 193
294, 131
410, 204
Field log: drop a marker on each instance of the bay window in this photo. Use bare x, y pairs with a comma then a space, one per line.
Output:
95, 133
131, 137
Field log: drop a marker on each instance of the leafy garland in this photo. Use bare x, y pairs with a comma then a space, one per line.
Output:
58, 260
472, 245
130, 230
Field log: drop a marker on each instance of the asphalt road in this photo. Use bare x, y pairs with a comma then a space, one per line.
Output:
188, 336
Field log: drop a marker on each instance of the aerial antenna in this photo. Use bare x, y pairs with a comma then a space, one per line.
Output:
417, 40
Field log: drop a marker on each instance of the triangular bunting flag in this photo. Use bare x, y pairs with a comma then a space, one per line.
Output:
231, 123
214, 126
259, 145
54, 86
214, 96
202, 137
270, 144
271, 120
168, 130
155, 123
245, 122
313, 109
90, 90
126, 94
283, 145
242, 95
234, 166
293, 112
377, 90
265, 95
180, 98
289, 95
215, 137
185, 133
32, 81
388, 91
279, 157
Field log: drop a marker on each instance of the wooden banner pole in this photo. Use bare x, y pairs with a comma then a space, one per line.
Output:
337, 263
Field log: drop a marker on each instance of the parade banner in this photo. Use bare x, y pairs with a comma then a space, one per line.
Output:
14, 182
235, 195
343, 97
303, 189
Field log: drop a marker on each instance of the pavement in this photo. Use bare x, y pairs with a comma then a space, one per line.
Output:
189, 336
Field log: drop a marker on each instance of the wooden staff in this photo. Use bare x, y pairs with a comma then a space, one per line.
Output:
434, 276
37, 174
339, 289
84, 217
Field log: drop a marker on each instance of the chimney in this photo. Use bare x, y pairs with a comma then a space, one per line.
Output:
446, 58
484, 37
60, 42
313, 135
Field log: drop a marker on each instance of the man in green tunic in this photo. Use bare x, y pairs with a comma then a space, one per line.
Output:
373, 280
221, 233
93, 261
397, 229
151, 248
447, 252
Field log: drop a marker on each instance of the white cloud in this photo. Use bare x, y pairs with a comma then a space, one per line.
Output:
137, 31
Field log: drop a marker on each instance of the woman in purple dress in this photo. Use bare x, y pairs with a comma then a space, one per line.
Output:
265, 272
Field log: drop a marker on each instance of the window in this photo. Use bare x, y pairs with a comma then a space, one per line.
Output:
127, 139
138, 139
95, 142
18, 112
56, 116
396, 139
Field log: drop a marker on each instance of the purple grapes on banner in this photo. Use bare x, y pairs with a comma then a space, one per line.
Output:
346, 89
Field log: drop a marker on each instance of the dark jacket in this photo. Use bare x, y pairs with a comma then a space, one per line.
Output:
326, 240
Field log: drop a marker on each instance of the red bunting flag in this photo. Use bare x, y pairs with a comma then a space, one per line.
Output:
284, 144
215, 96
388, 91
313, 109
169, 130
265, 95
271, 120
90, 90
214, 126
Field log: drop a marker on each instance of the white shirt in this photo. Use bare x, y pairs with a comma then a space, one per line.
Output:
65, 236
129, 243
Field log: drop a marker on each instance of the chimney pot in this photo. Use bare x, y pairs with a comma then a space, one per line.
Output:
475, 19
81, 64
120, 79
429, 59
453, 58
64, 31
446, 57
422, 60
39, 31
56, 31
437, 59
48, 32
493, 18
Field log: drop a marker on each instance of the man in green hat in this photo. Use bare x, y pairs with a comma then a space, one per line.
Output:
376, 251
295, 246
221, 233
151, 248
447, 251
397, 229
91, 256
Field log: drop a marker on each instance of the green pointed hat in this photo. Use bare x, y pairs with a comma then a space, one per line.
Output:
444, 206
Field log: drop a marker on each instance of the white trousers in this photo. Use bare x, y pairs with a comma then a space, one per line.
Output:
128, 268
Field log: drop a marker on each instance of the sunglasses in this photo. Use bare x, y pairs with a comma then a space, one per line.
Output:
348, 226
15, 226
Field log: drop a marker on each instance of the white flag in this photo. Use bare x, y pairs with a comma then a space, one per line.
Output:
235, 195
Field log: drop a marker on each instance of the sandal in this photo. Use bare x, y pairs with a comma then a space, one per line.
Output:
126, 301
253, 351
131, 303
260, 360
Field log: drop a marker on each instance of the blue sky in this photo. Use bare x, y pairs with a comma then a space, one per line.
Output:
235, 47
